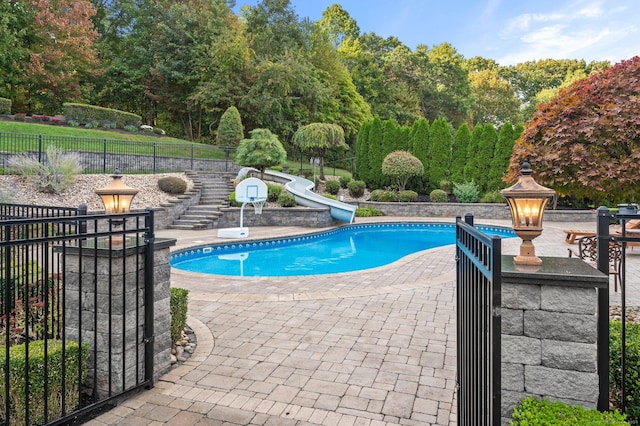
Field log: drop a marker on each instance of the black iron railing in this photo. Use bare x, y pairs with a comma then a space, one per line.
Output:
478, 299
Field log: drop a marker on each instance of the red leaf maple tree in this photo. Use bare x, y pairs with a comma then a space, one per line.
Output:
585, 143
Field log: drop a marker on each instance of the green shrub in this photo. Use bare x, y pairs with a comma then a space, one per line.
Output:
344, 181
446, 186
408, 196
493, 197
356, 188
74, 360
131, 128
286, 200
467, 192
232, 200
438, 196
73, 123
332, 186
5, 106
382, 196
55, 174
535, 412
159, 131
273, 192
632, 376
108, 125
89, 113
172, 185
178, 310
276, 168
368, 212
92, 125
330, 196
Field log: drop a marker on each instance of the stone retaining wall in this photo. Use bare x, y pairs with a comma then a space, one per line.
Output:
283, 216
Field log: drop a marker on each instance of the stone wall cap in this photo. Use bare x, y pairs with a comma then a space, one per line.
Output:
563, 271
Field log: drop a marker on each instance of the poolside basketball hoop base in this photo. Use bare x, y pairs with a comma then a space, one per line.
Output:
249, 191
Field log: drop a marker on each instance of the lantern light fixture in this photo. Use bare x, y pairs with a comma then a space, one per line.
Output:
527, 201
116, 196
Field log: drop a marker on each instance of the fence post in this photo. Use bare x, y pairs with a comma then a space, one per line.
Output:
603, 309
104, 156
149, 297
192, 156
226, 158
39, 148
82, 211
468, 218
154, 156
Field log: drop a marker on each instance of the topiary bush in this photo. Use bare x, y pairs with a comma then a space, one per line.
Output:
632, 376
172, 185
438, 196
178, 309
344, 181
273, 192
493, 197
286, 200
535, 412
408, 196
332, 186
356, 188
368, 212
466, 192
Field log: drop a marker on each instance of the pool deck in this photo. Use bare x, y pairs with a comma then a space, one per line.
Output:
363, 348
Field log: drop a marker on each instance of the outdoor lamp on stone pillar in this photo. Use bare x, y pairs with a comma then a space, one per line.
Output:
527, 200
116, 196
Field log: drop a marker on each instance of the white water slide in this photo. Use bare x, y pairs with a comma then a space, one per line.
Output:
302, 190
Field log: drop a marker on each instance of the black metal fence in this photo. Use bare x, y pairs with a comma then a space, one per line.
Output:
618, 374
104, 155
478, 299
76, 327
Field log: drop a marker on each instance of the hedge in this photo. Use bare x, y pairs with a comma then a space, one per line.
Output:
5, 106
89, 113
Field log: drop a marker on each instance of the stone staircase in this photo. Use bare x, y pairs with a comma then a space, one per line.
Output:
214, 195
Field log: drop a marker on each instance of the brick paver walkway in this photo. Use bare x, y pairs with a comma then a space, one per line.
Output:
365, 348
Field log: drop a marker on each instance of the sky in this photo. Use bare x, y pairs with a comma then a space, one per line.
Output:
508, 31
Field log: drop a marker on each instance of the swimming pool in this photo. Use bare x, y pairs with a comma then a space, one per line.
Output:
345, 249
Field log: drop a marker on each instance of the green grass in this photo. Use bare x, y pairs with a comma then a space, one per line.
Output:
57, 130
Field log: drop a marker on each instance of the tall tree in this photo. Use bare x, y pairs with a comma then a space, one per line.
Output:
585, 142
230, 129
501, 157
273, 29
439, 153
16, 32
362, 152
495, 99
459, 153
376, 152
341, 28
62, 51
471, 170
317, 139
420, 147
486, 149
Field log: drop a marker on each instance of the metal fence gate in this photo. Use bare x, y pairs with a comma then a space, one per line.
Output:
478, 281
76, 311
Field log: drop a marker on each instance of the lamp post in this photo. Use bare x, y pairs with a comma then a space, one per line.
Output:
527, 200
116, 198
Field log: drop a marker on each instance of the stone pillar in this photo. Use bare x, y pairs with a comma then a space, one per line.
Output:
550, 332
104, 301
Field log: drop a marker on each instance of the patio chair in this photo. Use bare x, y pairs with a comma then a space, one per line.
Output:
588, 251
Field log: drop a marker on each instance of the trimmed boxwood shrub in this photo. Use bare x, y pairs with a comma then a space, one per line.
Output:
344, 181
535, 412
382, 196
438, 196
172, 185
89, 113
178, 310
356, 188
368, 212
332, 186
273, 192
632, 374
286, 200
74, 360
408, 196
5, 106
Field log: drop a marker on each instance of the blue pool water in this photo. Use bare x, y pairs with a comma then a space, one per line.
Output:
349, 248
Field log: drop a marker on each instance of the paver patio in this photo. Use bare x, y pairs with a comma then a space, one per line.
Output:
363, 348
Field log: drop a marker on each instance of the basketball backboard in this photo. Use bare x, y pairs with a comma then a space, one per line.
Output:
251, 189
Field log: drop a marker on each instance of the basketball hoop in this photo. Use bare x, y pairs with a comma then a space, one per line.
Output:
258, 204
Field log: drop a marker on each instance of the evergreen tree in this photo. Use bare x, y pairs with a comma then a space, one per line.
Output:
486, 149
362, 152
389, 136
230, 129
459, 153
376, 152
439, 152
501, 157
420, 148
471, 171
403, 141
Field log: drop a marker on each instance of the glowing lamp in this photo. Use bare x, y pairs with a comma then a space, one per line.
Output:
116, 196
527, 200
